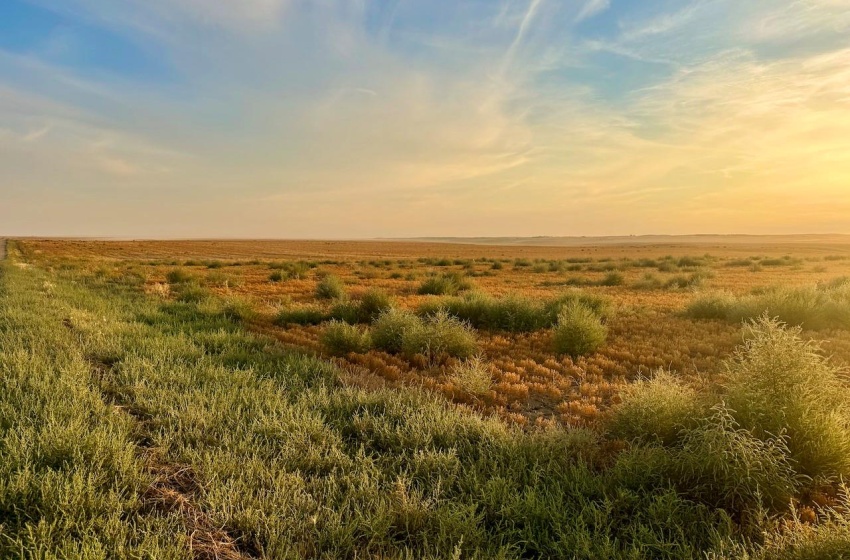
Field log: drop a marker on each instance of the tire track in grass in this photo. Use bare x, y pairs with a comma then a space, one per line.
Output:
175, 487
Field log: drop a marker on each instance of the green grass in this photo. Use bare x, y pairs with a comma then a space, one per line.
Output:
512, 313
817, 307
104, 392
579, 331
390, 327
340, 338
780, 421
330, 287
444, 285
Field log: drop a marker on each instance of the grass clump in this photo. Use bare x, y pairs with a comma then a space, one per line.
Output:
389, 329
579, 331
655, 410
473, 376
439, 335
365, 310
340, 338
512, 313
613, 279
373, 303
330, 287
724, 465
444, 285
815, 307
301, 315
178, 276
779, 384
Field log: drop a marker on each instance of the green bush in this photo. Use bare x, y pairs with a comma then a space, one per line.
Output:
818, 307
613, 279
330, 287
340, 338
712, 306
367, 309
655, 410
191, 293
303, 315
444, 285
511, 313
373, 303
600, 305
178, 276
238, 309
726, 466
473, 376
779, 384
440, 335
579, 331
389, 329
648, 282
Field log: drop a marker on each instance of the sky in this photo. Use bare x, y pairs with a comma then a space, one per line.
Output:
405, 118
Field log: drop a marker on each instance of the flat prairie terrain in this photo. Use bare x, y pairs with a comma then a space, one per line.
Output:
649, 398
648, 284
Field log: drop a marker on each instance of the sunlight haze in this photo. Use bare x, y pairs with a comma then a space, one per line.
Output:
397, 118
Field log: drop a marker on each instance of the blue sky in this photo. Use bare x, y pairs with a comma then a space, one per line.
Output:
358, 118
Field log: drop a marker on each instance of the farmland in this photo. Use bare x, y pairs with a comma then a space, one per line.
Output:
408, 400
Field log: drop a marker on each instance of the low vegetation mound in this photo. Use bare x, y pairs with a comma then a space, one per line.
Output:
513, 313
818, 307
579, 331
444, 285
779, 423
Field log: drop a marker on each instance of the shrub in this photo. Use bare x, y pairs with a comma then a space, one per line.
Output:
305, 315
330, 287
655, 410
681, 282
648, 282
779, 384
238, 309
178, 276
817, 307
601, 306
579, 331
390, 327
473, 376
340, 338
440, 335
726, 466
191, 293
613, 279
373, 303
512, 313
444, 285
276, 276
712, 306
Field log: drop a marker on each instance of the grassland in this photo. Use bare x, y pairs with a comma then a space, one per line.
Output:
155, 405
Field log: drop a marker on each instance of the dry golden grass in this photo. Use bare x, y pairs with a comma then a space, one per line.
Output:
531, 384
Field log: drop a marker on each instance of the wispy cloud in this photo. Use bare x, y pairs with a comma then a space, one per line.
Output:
337, 118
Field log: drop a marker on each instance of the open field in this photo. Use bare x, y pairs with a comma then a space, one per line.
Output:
270, 399
653, 285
